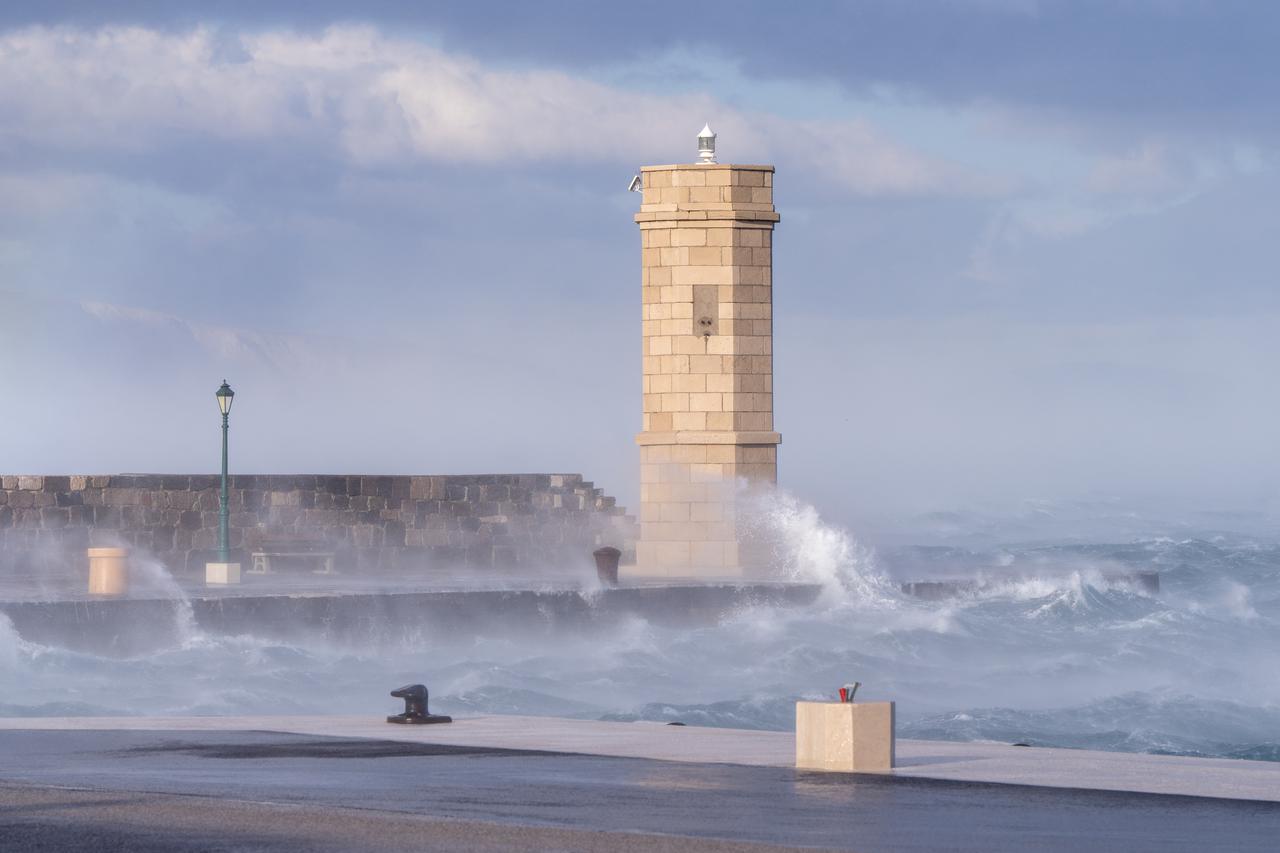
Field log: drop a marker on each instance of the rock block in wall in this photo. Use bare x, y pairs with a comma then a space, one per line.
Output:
380, 486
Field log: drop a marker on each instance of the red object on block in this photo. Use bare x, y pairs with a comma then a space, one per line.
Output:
844, 694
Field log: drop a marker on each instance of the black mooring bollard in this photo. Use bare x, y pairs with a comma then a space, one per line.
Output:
607, 564
415, 706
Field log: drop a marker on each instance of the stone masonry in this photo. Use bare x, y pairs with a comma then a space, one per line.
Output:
707, 284
371, 523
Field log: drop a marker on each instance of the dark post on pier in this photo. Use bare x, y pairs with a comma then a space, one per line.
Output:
225, 396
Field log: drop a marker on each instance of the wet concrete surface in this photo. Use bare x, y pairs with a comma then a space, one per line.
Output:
956, 761
44, 819
274, 790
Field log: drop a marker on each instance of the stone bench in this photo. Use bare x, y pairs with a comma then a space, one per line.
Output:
299, 550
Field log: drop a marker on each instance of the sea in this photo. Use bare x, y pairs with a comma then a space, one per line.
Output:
1043, 641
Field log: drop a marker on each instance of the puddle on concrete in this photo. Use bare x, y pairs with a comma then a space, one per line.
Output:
331, 749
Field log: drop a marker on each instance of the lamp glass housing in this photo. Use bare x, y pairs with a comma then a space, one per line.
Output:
225, 397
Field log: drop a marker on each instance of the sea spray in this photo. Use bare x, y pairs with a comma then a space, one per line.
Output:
11, 646
805, 549
149, 578
1051, 647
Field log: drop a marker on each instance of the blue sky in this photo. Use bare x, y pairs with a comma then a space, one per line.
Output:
1034, 244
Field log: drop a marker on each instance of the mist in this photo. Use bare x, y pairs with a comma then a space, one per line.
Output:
883, 421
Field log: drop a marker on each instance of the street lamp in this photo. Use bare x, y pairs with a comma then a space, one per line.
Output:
225, 397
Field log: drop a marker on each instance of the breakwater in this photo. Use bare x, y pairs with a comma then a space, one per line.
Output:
370, 523
129, 627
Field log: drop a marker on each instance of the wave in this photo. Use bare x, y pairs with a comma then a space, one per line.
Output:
1161, 722
1049, 646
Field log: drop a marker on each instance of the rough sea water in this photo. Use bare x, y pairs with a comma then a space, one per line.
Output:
1053, 647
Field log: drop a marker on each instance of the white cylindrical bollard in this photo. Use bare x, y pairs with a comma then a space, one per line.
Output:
108, 571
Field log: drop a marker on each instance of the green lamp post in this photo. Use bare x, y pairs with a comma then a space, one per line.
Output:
225, 395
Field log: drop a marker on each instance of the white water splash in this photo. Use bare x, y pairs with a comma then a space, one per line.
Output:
806, 549
10, 644
149, 578
1230, 600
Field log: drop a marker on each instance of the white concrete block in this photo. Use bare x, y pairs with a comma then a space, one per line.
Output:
221, 573
850, 737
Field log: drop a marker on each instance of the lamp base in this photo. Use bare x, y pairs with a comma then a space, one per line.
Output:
419, 719
221, 574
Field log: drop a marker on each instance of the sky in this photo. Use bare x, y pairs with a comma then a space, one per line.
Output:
1027, 257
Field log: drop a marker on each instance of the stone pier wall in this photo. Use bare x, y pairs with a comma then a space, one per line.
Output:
372, 523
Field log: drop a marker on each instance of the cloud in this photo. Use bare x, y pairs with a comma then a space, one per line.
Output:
1146, 63
1147, 179
856, 155
1149, 171
122, 86
220, 342
379, 102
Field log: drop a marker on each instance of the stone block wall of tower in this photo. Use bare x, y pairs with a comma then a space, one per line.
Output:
708, 433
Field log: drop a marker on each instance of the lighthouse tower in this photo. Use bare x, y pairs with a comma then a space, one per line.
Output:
708, 437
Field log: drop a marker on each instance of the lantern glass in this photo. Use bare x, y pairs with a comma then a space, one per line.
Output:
706, 143
225, 396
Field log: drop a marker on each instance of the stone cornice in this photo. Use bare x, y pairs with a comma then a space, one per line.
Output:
709, 437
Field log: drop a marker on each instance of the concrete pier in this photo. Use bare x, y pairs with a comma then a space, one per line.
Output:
996, 763
529, 783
